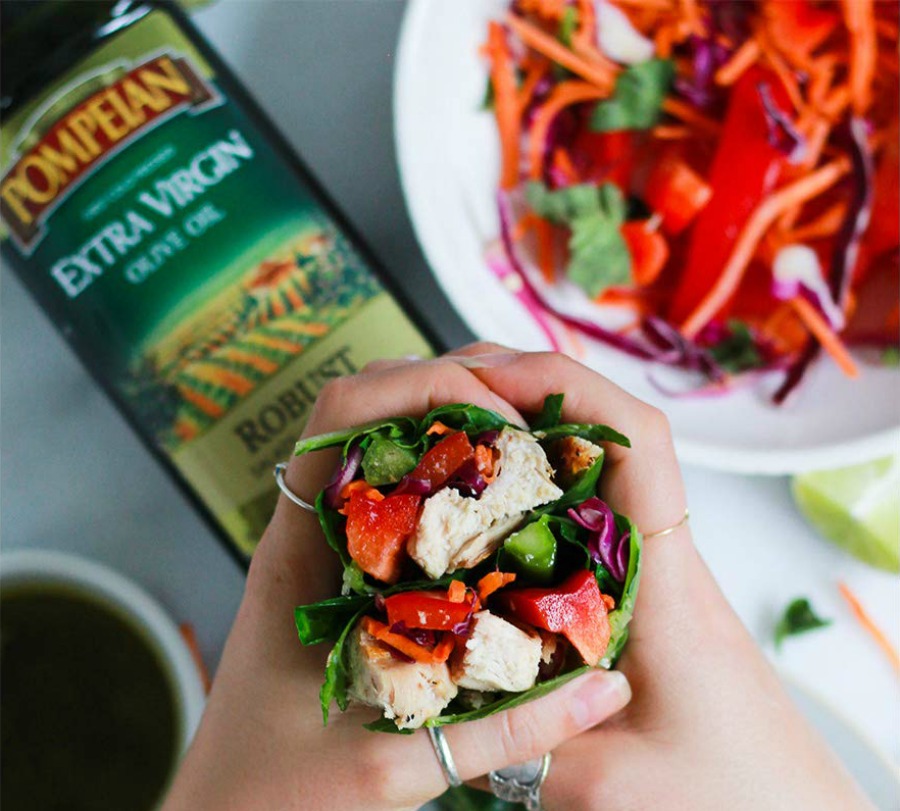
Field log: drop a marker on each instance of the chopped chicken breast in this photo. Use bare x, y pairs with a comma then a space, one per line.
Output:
497, 656
456, 532
573, 456
411, 692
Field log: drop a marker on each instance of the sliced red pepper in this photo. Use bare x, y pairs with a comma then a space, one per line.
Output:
745, 169
426, 609
676, 192
444, 459
377, 532
649, 251
608, 155
576, 609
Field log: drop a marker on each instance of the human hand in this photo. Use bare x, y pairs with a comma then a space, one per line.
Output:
710, 726
261, 743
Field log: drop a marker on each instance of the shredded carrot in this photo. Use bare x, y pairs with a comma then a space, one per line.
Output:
190, 639
484, 461
548, 9
586, 34
826, 336
753, 231
443, 649
869, 625
689, 115
456, 591
671, 132
506, 104
536, 71
563, 95
362, 486
825, 225
859, 17
544, 231
609, 601
691, 17
524, 225
493, 581
742, 59
815, 143
599, 75
437, 427
563, 163
663, 41
404, 644
785, 75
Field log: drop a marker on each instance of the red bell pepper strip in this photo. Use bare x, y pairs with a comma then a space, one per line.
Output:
575, 608
649, 251
745, 169
426, 609
610, 156
377, 532
676, 192
444, 459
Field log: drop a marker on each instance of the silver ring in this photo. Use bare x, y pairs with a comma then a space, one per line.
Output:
280, 468
521, 783
442, 750
661, 533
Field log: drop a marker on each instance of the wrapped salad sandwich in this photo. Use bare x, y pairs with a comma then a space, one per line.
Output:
481, 569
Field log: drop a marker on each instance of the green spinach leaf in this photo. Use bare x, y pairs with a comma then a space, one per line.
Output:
798, 618
326, 620
464, 417
637, 99
398, 428
737, 351
621, 616
551, 413
334, 687
593, 433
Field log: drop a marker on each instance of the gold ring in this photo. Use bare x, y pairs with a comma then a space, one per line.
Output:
669, 530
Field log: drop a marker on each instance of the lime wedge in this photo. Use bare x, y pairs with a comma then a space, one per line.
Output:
857, 508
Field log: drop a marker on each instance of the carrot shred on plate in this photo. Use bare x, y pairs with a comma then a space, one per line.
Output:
805, 188
859, 17
506, 103
685, 112
742, 59
829, 340
596, 73
869, 625
563, 95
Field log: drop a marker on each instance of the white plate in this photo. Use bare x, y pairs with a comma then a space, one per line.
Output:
448, 155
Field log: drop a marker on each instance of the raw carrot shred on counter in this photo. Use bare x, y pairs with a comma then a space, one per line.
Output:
869, 625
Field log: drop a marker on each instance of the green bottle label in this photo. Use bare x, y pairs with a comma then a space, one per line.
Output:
155, 222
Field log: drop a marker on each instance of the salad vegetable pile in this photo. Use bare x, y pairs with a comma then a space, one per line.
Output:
724, 174
481, 568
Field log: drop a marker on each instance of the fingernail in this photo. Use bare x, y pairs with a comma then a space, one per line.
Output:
488, 361
599, 696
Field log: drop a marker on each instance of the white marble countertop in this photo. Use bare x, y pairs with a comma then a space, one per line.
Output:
75, 478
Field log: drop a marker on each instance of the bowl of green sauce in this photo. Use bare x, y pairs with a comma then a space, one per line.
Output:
100, 694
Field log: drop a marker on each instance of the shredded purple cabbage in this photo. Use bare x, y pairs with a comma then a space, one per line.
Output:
796, 371
605, 544
464, 628
676, 350
467, 479
781, 132
551, 669
343, 476
859, 212
412, 486
488, 438
421, 636
707, 56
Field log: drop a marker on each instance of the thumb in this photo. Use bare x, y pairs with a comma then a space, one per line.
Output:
529, 731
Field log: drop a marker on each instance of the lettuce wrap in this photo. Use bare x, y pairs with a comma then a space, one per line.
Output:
480, 567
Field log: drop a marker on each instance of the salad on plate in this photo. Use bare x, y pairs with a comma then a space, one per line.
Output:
704, 184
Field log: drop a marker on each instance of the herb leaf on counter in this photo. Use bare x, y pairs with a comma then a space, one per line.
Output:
798, 618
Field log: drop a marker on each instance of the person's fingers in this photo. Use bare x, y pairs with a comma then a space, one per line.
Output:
480, 348
517, 735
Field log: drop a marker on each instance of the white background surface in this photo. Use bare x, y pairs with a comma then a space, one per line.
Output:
74, 477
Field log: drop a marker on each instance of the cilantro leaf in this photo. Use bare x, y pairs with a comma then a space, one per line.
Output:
737, 351
637, 98
798, 618
599, 256
551, 413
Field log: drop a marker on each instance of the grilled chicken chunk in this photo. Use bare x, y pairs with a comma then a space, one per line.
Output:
497, 656
411, 692
455, 532
571, 457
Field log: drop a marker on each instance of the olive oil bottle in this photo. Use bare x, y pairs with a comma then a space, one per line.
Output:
186, 254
